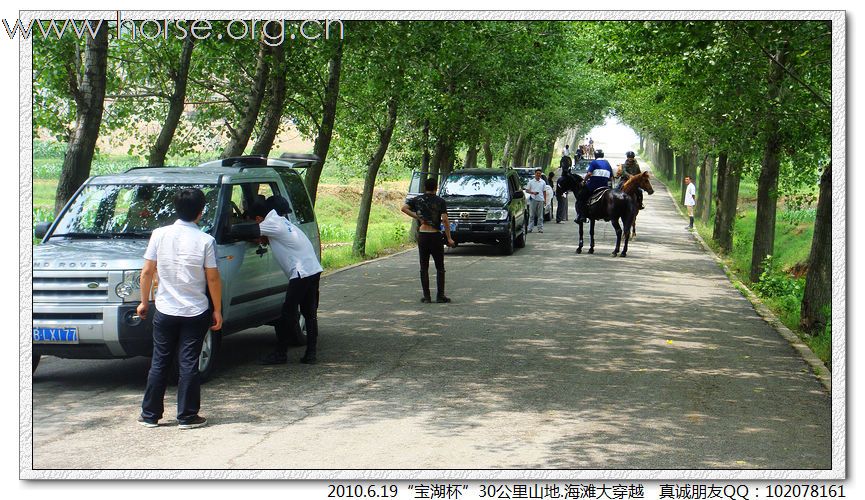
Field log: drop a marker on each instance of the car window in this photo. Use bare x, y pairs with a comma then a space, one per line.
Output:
297, 196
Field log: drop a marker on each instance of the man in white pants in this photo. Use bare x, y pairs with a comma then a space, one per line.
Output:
537, 199
690, 201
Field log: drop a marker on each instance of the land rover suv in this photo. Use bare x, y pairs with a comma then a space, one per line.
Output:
87, 267
486, 206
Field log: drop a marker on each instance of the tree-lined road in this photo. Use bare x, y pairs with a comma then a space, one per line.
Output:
545, 359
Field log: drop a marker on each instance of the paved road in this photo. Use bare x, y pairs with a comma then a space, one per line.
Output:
545, 359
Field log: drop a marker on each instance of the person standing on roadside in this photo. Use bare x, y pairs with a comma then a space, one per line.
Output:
184, 259
690, 201
431, 212
537, 199
296, 257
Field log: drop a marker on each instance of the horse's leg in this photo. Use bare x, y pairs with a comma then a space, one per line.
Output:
591, 235
580, 247
634, 226
628, 221
618, 229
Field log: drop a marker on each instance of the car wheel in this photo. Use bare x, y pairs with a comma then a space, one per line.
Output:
520, 241
209, 352
507, 244
36, 358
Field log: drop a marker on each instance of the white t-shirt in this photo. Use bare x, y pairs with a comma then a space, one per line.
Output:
181, 252
537, 186
291, 248
690, 192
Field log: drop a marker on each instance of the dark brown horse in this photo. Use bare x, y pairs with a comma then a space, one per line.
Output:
614, 206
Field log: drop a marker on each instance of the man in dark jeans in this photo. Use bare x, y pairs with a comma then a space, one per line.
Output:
296, 257
431, 212
184, 258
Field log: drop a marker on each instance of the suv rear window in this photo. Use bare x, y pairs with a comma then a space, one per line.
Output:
297, 196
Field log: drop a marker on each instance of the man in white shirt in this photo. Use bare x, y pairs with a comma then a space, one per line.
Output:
690, 201
536, 188
295, 255
184, 258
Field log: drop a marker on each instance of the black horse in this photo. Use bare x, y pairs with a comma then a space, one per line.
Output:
615, 206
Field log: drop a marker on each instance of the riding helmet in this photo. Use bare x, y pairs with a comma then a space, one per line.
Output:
630, 154
599, 153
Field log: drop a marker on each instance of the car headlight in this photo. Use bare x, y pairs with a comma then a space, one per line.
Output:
130, 288
497, 214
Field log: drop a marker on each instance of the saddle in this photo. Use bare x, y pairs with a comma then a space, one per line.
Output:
596, 196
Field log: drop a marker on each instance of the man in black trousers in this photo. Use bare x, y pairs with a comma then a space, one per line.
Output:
184, 258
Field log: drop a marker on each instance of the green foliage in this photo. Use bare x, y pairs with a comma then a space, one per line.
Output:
800, 216
775, 283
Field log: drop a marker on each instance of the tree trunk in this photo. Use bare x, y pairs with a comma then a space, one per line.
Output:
680, 169
518, 158
89, 96
438, 156
817, 301
425, 158
506, 152
667, 160
488, 153
240, 135
359, 245
767, 185
727, 199
704, 202
275, 105
175, 106
471, 160
325, 130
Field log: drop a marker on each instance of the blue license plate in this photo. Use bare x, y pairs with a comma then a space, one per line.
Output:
55, 335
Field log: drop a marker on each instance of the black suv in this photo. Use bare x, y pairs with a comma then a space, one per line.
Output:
486, 206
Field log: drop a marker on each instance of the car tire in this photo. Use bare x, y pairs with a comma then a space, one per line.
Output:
207, 360
520, 241
36, 358
507, 245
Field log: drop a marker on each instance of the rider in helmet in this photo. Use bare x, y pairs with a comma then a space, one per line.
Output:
598, 176
631, 167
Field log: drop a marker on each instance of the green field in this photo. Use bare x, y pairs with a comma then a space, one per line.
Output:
336, 210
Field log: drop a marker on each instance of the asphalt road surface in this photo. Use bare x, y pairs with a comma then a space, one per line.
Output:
544, 360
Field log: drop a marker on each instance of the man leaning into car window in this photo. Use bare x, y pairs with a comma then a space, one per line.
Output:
296, 257
184, 259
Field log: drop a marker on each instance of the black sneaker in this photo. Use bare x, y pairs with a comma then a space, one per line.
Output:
146, 422
426, 300
442, 300
274, 358
308, 359
192, 423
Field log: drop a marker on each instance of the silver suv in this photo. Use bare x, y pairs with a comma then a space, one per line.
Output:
86, 269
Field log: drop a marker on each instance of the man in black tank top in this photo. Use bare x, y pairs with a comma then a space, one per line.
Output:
432, 215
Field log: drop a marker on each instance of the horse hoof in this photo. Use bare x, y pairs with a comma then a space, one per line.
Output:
623, 255
591, 250
579, 250
614, 254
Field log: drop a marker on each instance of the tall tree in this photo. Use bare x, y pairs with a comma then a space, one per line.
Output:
239, 136
176, 103
325, 126
87, 89
817, 299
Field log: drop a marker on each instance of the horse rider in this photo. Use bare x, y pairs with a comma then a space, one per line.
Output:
599, 175
631, 168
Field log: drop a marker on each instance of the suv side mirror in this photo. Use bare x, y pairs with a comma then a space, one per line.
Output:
519, 194
41, 229
244, 231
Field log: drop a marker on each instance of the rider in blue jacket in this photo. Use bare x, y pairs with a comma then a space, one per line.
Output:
599, 174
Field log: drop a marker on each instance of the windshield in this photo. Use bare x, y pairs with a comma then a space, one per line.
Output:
475, 185
526, 176
128, 210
